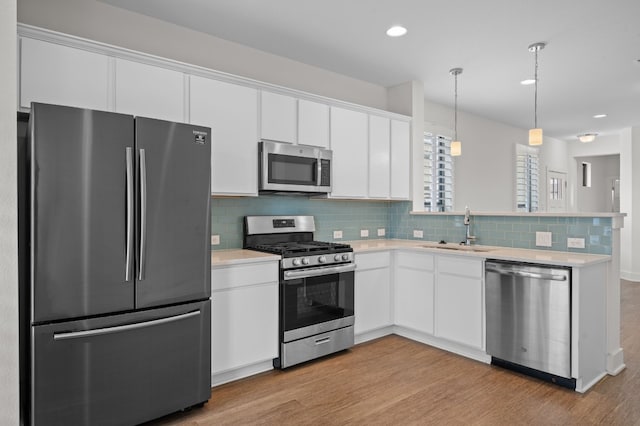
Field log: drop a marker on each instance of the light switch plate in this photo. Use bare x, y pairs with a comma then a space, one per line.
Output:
575, 243
381, 232
543, 239
364, 232
337, 234
417, 233
215, 240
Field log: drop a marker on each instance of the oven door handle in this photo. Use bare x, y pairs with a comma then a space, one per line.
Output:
314, 272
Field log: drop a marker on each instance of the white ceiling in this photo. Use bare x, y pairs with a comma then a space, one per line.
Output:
590, 64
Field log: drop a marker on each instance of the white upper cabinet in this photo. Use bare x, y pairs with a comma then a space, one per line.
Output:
149, 91
313, 123
400, 160
349, 140
231, 111
278, 117
51, 73
379, 162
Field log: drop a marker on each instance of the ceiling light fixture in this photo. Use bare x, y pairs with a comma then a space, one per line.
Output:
535, 134
600, 116
527, 82
396, 31
456, 145
587, 137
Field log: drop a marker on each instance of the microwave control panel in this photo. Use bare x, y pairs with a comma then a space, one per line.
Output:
325, 176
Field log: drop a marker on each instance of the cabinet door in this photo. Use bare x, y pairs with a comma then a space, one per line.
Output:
413, 299
244, 326
279, 117
379, 133
149, 91
313, 123
231, 111
349, 140
400, 160
55, 74
459, 301
372, 300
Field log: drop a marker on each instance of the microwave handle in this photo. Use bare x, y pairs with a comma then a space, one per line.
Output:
318, 171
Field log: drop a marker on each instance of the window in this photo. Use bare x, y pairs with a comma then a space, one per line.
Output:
438, 173
526, 179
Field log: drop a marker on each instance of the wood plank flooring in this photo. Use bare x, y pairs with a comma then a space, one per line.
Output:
395, 381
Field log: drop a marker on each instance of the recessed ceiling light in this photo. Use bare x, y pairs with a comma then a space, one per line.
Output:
527, 82
396, 31
600, 116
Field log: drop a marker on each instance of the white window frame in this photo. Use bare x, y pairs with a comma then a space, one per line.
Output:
527, 185
433, 200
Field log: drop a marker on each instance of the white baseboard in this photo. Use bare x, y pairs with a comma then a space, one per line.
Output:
240, 373
456, 348
615, 362
630, 276
373, 334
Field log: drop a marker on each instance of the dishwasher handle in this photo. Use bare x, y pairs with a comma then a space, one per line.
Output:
525, 274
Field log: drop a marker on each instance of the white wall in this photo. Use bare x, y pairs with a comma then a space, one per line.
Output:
554, 156
98, 21
597, 197
9, 385
630, 178
485, 173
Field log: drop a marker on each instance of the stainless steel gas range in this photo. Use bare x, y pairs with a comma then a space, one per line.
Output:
316, 287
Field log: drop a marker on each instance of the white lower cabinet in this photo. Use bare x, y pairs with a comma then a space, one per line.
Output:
372, 292
459, 300
244, 319
413, 291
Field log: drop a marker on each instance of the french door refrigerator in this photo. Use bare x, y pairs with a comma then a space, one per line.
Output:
117, 277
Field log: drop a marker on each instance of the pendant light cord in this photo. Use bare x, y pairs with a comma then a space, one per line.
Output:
535, 96
455, 108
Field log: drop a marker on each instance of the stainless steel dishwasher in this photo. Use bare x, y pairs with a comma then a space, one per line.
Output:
529, 319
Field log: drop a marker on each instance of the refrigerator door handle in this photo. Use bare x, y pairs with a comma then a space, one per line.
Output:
143, 214
129, 251
120, 328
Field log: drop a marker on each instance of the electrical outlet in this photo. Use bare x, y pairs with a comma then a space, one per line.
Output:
337, 234
215, 240
575, 243
364, 232
417, 233
381, 232
543, 239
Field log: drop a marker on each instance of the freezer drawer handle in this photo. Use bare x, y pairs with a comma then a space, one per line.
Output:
143, 214
121, 328
129, 255
528, 274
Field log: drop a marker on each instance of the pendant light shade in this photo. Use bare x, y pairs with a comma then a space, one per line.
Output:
456, 145
535, 134
535, 137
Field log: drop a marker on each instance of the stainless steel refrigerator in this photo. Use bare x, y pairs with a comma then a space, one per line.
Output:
117, 277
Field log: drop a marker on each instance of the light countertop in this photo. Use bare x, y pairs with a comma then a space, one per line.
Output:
562, 258
550, 257
240, 256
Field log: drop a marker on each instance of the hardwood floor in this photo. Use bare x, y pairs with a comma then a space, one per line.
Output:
397, 381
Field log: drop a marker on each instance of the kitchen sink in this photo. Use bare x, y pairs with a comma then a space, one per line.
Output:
457, 247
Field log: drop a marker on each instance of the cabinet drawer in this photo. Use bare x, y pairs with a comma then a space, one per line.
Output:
408, 259
372, 260
458, 265
242, 275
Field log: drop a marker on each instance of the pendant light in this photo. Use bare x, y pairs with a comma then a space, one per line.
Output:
535, 134
456, 145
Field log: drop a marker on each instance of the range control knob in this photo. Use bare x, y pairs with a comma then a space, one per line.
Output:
345, 256
305, 261
296, 262
322, 259
337, 258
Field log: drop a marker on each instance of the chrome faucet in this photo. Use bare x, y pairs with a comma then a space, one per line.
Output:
467, 223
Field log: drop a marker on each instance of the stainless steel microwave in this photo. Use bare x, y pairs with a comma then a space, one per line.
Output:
294, 168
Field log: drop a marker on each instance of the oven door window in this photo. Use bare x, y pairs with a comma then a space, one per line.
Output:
313, 300
288, 169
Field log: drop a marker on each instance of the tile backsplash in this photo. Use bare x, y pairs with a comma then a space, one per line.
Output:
351, 217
